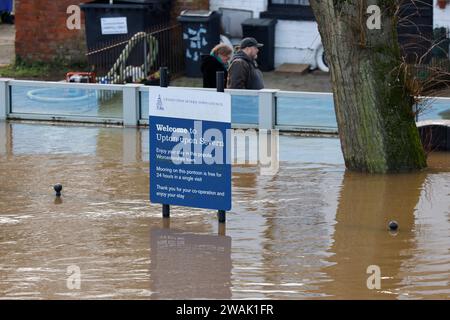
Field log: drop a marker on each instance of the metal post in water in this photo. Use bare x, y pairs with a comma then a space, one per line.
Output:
220, 83
166, 223
166, 211
222, 216
222, 230
164, 83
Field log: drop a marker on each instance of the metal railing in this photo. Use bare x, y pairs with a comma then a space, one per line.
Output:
127, 105
130, 60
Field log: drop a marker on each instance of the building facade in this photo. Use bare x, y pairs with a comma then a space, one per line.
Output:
297, 39
441, 16
42, 33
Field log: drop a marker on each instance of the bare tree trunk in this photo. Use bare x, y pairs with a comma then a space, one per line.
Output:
372, 93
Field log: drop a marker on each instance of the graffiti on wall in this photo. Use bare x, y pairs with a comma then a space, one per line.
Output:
197, 41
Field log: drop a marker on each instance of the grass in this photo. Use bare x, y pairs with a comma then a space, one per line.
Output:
48, 71
21, 71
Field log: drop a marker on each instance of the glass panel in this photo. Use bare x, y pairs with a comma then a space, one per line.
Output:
307, 111
67, 101
311, 111
145, 145
435, 109
244, 110
144, 96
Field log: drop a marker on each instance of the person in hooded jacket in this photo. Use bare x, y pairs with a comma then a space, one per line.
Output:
243, 72
216, 61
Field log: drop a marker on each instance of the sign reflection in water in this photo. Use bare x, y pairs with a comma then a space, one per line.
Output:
190, 266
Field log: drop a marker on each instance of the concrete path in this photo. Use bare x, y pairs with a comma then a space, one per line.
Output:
7, 38
316, 81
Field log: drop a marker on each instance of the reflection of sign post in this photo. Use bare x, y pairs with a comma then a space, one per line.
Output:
190, 266
189, 154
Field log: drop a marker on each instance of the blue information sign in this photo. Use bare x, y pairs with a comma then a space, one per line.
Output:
190, 148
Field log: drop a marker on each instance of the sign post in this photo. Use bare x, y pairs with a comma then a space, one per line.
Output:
220, 82
164, 83
190, 158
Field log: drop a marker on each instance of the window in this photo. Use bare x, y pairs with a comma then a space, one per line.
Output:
289, 10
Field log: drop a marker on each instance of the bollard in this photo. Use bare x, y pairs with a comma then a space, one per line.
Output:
163, 77
220, 80
58, 188
393, 225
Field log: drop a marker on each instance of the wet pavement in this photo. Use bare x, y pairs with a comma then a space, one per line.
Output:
315, 81
7, 37
310, 231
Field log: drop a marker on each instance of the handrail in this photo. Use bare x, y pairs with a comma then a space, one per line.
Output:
295, 94
54, 84
235, 92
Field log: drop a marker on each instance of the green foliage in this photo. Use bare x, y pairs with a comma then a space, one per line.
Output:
55, 70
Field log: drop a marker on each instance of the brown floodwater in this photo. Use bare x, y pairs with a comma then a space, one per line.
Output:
310, 231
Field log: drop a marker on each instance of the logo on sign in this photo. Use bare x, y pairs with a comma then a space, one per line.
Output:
159, 104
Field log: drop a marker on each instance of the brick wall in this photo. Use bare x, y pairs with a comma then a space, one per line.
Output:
42, 35
180, 5
41, 32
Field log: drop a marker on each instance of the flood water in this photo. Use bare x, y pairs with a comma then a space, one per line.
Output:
310, 231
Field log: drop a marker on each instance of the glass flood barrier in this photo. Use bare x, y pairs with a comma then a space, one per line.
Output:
66, 101
306, 111
317, 111
294, 110
435, 109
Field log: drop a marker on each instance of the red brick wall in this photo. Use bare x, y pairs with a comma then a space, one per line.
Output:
42, 35
180, 5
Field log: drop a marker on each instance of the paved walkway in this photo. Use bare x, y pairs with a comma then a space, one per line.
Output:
316, 81
7, 38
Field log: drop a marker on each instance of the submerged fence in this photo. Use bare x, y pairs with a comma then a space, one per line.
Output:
135, 59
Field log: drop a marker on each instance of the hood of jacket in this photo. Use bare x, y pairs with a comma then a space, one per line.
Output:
242, 55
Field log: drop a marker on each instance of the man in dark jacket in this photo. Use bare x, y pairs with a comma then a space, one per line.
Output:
243, 72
